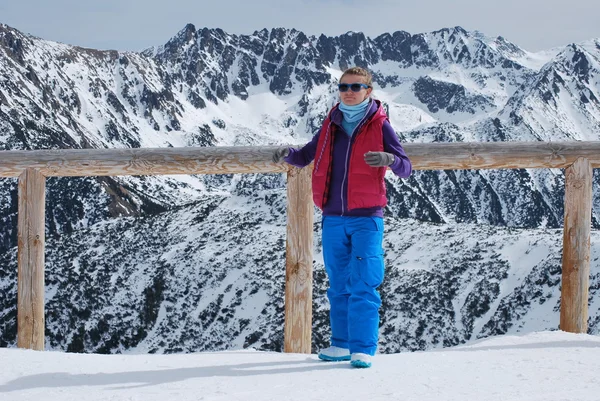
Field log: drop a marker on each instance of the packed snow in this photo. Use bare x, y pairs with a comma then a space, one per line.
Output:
538, 366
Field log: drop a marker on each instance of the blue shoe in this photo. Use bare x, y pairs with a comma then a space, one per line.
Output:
334, 354
361, 361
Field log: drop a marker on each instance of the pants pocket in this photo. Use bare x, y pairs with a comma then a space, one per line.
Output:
378, 223
371, 269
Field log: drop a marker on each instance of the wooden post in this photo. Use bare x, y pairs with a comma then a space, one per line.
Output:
576, 247
299, 258
31, 240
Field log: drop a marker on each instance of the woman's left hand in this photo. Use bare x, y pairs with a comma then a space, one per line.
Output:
379, 159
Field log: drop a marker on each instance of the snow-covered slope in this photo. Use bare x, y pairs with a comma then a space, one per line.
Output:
544, 366
168, 264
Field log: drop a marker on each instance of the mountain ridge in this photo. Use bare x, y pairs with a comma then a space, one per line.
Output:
209, 88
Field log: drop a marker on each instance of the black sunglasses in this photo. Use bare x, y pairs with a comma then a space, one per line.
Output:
356, 87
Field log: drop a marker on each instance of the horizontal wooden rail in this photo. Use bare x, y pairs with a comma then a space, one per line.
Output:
253, 159
500, 155
141, 161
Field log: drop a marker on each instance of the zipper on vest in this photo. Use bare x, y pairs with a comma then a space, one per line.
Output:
358, 128
345, 172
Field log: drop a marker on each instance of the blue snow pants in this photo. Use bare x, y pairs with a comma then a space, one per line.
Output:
353, 255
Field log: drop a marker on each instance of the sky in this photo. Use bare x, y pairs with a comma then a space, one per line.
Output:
138, 24
548, 366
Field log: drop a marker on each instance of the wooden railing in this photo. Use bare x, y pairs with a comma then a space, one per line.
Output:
32, 168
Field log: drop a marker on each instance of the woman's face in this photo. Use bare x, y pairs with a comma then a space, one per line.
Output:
351, 98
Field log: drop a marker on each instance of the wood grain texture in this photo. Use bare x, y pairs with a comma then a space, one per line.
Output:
142, 161
576, 247
255, 159
500, 155
299, 260
31, 244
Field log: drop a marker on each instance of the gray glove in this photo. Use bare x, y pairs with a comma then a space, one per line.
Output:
280, 153
379, 159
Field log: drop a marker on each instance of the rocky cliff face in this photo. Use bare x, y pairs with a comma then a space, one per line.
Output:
168, 264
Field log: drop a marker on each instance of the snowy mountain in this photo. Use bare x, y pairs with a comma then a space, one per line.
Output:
168, 264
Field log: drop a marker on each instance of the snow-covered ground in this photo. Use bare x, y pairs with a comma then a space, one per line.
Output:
538, 366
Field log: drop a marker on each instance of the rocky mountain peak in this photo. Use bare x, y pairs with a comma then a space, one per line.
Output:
172, 277
13, 43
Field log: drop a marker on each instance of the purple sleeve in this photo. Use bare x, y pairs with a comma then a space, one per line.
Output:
401, 166
304, 156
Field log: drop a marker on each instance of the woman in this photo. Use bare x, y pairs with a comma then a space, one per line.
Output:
351, 152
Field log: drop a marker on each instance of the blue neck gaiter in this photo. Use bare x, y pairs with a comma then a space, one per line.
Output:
353, 115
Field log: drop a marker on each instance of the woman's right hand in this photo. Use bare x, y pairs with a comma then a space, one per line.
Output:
280, 153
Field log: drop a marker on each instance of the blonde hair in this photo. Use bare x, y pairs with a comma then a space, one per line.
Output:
361, 72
